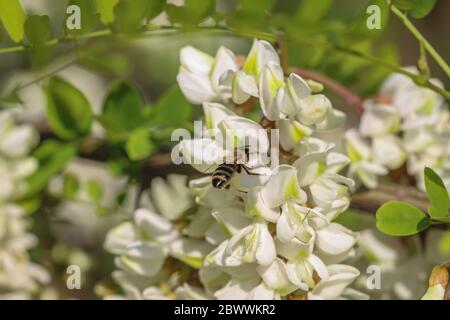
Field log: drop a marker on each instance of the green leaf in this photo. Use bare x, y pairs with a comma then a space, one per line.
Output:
139, 144
252, 14
359, 29
192, 13
403, 4
95, 190
444, 244
70, 185
173, 110
30, 204
69, 113
374, 75
422, 8
123, 111
38, 29
437, 194
416, 8
106, 10
154, 8
398, 218
129, 15
313, 10
13, 18
53, 156
105, 60
88, 19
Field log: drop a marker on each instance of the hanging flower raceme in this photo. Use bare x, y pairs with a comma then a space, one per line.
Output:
19, 277
404, 124
253, 228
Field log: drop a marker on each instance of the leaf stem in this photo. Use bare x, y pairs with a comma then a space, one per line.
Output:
416, 33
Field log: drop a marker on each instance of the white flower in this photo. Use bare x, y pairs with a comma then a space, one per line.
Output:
233, 133
388, 151
269, 234
261, 54
241, 85
304, 268
143, 245
271, 82
19, 277
409, 97
334, 239
378, 119
254, 243
406, 123
331, 288
200, 73
362, 165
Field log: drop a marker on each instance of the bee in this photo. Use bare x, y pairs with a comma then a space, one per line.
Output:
221, 177
223, 174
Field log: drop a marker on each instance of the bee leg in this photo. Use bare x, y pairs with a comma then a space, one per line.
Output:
247, 171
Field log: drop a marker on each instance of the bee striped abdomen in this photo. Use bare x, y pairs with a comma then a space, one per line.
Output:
223, 174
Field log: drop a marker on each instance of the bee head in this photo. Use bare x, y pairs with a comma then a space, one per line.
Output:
219, 183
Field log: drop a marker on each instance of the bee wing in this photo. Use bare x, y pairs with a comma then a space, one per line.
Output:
203, 155
205, 168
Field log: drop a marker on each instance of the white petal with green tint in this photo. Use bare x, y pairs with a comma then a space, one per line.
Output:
120, 238
275, 275
295, 91
334, 239
214, 113
270, 82
243, 87
260, 54
196, 87
239, 132
292, 133
310, 166
340, 276
196, 61
314, 109
225, 61
155, 227
256, 207
282, 187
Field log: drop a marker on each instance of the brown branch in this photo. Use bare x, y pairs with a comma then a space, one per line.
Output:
350, 97
371, 200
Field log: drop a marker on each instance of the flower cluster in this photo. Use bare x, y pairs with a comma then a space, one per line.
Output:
405, 123
159, 252
19, 277
398, 260
270, 233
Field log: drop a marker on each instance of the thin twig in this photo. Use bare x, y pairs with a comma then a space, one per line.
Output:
371, 200
47, 75
422, 40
